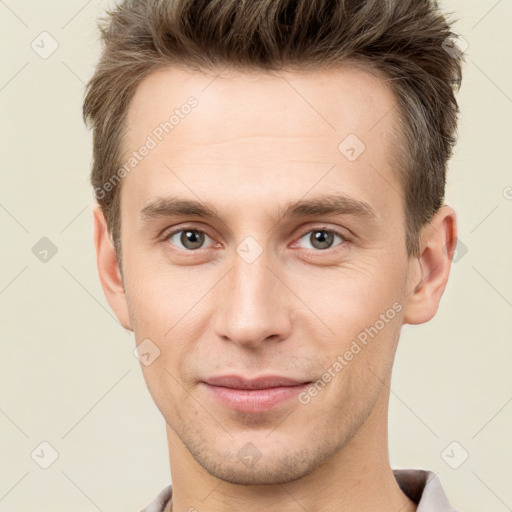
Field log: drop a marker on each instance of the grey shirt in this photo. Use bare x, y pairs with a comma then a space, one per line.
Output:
422, 487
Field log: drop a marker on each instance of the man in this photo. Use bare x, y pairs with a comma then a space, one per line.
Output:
270, 181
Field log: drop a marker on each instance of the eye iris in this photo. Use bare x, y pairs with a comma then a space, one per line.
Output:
321, 239
192, 239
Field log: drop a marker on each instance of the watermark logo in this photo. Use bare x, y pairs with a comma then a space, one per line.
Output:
351, 147
146, 352
460, 251
44, 455
44, 250
249, 249
455, 45
44, 45
454, 455
249, 455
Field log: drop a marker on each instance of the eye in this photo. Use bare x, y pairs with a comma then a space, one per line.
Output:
321, 239
190, 239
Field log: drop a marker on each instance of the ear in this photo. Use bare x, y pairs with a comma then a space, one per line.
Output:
430, 270
108, 269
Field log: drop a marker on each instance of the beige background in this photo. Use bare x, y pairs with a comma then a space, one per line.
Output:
68, 374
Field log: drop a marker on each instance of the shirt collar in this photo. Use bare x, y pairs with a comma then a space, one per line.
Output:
424, 488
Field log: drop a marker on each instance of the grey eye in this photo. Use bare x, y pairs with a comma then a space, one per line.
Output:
190, 239
321, 239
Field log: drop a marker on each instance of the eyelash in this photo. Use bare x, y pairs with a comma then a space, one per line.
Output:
346, 238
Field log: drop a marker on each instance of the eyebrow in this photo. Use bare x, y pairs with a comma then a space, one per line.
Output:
334, 204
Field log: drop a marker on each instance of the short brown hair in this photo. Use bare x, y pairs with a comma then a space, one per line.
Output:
403, 41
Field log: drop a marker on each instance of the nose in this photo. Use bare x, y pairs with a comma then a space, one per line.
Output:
254, 305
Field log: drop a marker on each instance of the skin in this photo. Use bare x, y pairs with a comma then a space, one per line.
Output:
253, 144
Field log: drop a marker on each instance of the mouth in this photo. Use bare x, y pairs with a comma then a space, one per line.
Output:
256, 395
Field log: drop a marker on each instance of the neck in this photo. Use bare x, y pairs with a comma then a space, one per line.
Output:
358, 478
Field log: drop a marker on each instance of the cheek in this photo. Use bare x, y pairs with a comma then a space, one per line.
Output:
348, 299
355, 322
159, 295
168, 393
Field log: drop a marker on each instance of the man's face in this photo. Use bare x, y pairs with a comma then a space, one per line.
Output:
264, 289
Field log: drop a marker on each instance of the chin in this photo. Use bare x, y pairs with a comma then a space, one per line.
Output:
262, 473
277, 463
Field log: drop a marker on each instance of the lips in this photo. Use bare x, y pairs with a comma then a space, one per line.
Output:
255, 395
235, 382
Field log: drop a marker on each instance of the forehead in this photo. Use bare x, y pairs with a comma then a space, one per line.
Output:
306, 103
258, 129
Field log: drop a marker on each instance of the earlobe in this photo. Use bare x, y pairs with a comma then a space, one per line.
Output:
438, 241
108, 269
